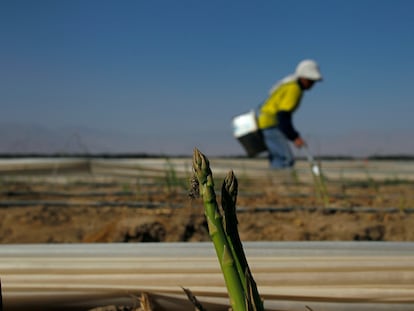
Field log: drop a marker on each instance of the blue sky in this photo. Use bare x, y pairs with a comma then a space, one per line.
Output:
169, 75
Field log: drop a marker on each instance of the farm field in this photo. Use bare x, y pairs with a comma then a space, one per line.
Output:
148, 200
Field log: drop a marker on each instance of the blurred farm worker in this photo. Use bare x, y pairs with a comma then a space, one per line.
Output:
275, 114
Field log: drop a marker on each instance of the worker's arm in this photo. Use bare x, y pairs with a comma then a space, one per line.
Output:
284, 119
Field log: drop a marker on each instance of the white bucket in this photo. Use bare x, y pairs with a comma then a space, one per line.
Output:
247, 132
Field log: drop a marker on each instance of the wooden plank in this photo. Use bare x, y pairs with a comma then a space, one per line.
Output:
321, 275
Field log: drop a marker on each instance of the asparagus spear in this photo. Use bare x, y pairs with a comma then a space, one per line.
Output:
228, 203
232, 279
1, 298
223, 231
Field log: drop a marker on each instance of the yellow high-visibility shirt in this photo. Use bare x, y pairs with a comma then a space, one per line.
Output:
285, 98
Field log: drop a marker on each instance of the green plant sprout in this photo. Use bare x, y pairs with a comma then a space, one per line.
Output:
222, 225
320, 187
171, 177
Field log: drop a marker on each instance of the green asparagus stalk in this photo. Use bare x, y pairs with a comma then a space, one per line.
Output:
228, 203
1, 298
215, 225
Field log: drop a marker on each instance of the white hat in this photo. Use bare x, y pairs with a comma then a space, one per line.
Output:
308, 69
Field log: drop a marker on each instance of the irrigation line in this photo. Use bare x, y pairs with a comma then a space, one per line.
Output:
12, 204
158, 167
139, 192
327, 210
73, 193
240, 209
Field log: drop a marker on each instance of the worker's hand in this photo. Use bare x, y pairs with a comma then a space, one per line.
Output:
299, 142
